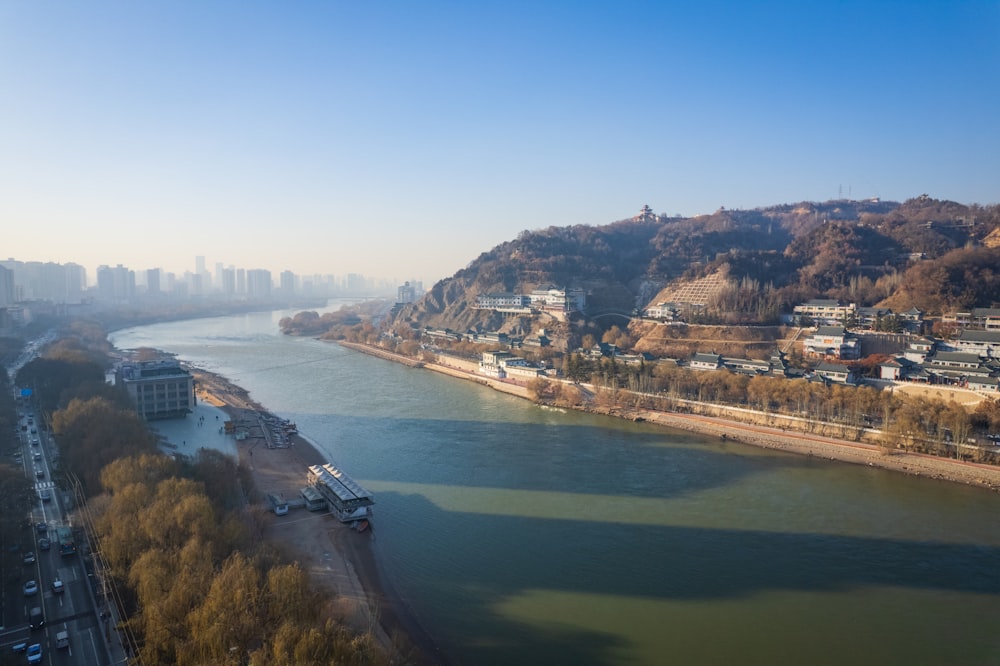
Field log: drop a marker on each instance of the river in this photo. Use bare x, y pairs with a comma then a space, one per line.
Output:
522, 535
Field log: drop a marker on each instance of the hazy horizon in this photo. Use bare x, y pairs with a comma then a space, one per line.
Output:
401, 141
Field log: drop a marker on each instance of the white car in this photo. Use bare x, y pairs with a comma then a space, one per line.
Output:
58, 587
30, 588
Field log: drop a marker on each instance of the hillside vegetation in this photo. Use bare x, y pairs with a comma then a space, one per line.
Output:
923, 253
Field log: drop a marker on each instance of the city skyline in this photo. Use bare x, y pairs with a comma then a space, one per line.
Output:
401, 141
68, 284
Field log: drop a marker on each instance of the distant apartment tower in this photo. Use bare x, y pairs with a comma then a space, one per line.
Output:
406, 293
115, 285
6, 287
204, 277
229, 281
241, 281
355, 282
153, 281
158, 389
287, 283
35, 280
258, 284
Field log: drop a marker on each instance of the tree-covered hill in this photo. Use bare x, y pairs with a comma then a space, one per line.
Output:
863, 251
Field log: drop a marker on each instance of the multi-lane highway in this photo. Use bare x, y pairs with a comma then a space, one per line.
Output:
63, 612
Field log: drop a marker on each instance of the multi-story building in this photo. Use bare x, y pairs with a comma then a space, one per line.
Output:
115, 285
985, 344
406, 293
158, 389
832, 342
153, 281
985, 318
502, 300
550, 297
664, 311
6, 287
825, 312
258, 284
287, 282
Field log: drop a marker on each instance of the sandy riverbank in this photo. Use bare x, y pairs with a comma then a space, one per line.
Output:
337, 557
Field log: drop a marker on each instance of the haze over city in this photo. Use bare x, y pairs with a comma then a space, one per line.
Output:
401, 140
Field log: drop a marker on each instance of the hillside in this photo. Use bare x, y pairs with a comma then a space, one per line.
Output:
766, 260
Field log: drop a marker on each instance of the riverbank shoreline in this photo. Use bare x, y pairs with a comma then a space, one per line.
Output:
336, 556
801, 443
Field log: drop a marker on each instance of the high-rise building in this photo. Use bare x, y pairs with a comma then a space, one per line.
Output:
258, 284
153, 281
405, 294
228, 282
115, 285
6, 287
287, 281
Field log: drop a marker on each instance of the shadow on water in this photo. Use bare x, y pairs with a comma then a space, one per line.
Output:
694, 564
645, 460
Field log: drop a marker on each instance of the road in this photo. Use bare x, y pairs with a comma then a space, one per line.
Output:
77, 608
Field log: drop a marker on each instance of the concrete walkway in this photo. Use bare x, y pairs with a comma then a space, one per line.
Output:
201, 429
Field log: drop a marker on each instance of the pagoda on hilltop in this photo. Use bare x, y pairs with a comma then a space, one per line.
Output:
645, 215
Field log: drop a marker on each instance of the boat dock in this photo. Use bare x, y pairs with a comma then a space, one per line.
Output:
346, 498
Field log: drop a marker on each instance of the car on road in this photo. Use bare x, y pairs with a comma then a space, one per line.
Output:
38, 455
40, 473
44, 544
30, 588
42, 528
35, 653
58, 587
29, 557
45, 494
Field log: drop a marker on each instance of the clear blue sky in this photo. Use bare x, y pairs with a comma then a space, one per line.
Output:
402, 139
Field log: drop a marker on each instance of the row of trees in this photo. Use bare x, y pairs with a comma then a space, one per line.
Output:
203, 585
907, 422
180, 544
